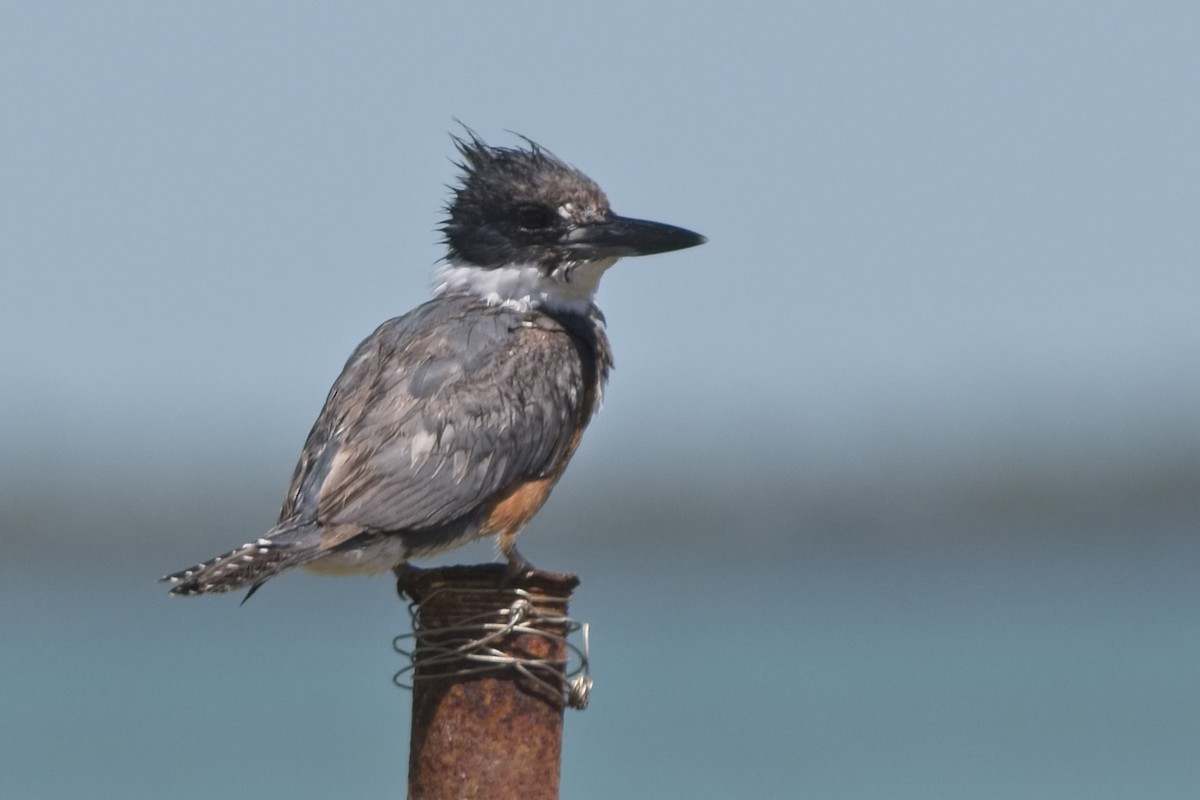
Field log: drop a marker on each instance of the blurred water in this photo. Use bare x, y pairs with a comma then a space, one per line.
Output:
1033, 658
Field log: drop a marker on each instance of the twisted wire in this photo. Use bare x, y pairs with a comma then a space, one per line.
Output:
442, 651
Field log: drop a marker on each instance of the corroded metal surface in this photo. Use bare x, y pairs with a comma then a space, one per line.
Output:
494, 735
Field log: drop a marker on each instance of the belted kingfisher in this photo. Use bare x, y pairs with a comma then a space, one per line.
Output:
454, 421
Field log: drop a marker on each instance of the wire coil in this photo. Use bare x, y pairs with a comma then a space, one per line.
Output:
471, 646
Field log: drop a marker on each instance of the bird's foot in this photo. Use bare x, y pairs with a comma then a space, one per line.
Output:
404, 573
517, 567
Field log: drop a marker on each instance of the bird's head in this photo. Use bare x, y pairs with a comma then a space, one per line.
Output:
524, 209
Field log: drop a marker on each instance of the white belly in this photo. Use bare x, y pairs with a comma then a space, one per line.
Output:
375, 556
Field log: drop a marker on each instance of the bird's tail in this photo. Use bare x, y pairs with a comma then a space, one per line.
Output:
251, 564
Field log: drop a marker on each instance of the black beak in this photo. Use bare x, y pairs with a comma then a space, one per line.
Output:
622, 236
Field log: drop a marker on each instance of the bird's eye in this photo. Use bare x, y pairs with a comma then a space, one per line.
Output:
533, 218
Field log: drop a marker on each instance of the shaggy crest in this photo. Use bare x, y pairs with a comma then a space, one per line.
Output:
512, 204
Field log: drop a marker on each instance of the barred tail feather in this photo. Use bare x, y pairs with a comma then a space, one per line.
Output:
251, 564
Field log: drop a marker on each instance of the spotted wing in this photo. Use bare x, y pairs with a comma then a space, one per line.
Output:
435, 412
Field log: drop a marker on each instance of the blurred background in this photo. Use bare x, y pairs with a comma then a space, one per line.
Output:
895, 490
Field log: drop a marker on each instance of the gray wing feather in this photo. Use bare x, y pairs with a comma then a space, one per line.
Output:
433, 413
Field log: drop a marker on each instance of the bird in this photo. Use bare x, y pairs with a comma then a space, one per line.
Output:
454, 421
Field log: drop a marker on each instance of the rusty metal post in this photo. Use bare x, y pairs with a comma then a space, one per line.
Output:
492, 731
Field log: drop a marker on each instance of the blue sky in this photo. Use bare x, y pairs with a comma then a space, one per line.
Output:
930, 228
